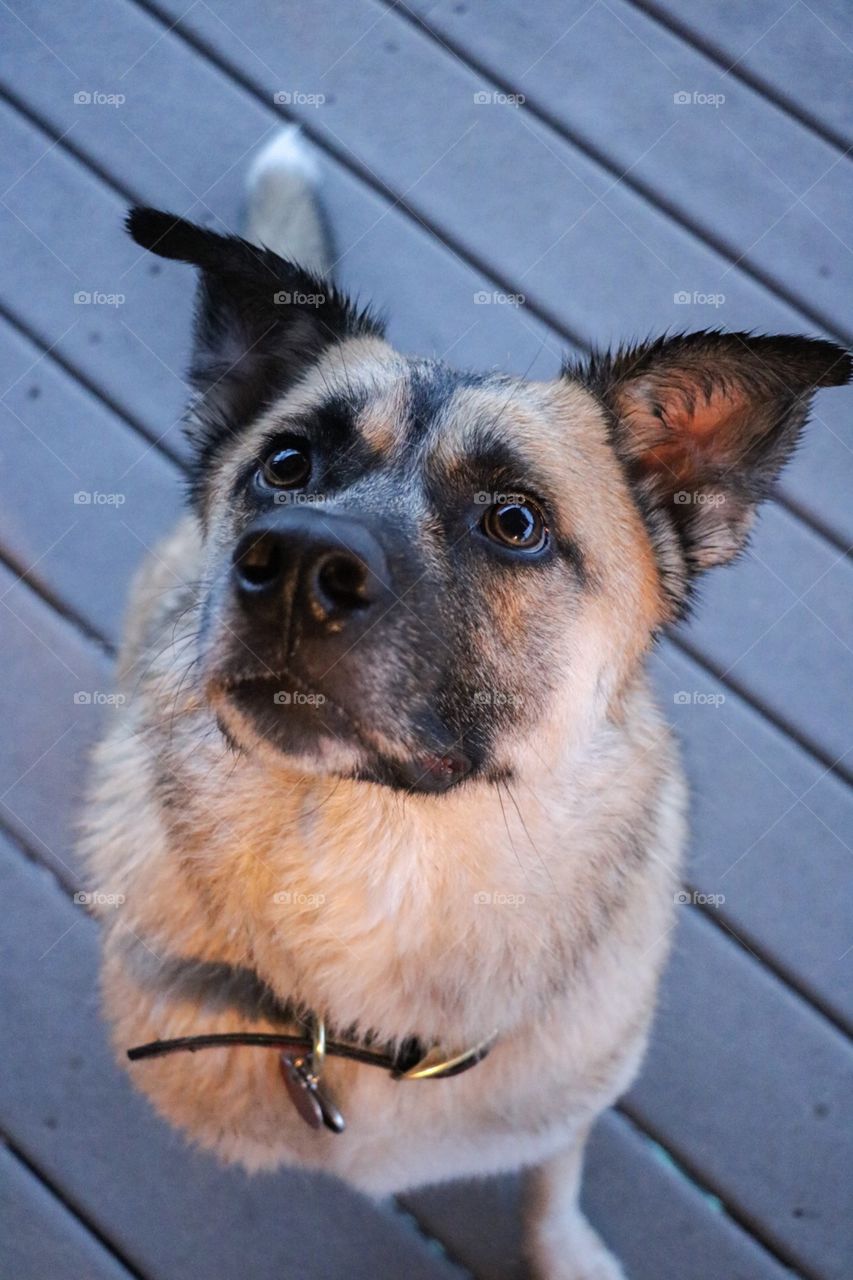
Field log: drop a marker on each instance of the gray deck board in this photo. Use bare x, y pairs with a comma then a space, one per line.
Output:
51, 258
797, 52
814, 702
42, 1239
432, 302
171, 1212
82, 496
747, 1085
789, 184
689, 1047
625, 1193
722, 1019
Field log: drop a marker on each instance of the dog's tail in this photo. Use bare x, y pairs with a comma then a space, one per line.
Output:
285, 213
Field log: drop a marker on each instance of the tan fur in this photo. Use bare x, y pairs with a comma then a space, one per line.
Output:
384, 927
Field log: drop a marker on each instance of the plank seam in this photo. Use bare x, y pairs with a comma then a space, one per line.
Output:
63, 608
643, 190
446, 239
744, 941
623, 1110
751, 79
780, 722
744, 1220
539, 311
435, 1243
801, 740
703, 1188
82, 1218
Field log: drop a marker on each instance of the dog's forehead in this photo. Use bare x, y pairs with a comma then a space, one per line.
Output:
434, 417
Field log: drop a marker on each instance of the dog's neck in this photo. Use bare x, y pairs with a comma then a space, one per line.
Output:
453, 914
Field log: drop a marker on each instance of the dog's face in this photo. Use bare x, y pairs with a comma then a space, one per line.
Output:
417, 576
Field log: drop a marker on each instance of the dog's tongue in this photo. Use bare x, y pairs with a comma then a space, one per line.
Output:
433, 772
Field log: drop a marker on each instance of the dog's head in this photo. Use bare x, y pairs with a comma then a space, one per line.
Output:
415, 575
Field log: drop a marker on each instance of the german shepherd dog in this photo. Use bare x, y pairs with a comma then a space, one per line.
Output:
389, 802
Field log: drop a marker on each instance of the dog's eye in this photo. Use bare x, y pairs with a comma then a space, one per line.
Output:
518, 525
287, 466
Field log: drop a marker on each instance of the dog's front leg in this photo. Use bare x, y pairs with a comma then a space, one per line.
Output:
561, 1244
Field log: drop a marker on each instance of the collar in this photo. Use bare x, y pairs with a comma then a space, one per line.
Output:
302, 1054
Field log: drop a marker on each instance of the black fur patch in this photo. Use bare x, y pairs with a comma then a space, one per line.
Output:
261, 321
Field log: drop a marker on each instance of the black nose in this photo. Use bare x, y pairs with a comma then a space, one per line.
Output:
329, 566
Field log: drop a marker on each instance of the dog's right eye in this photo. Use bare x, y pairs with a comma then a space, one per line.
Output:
288, 466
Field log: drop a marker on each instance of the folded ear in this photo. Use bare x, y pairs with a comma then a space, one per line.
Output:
703, 422
260, 320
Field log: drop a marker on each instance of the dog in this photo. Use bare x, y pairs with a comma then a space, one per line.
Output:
388, 793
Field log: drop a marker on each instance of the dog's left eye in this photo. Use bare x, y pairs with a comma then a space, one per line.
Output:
517, 525
287, 467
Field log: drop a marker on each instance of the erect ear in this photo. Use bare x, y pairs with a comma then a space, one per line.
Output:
260, 320
703, 422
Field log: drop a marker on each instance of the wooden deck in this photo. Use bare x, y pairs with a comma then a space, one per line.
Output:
622, 185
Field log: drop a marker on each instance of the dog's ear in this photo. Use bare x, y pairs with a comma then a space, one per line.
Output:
703, 422
260, 320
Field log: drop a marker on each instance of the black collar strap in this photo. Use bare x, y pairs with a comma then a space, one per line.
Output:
410, 1062
302, 1055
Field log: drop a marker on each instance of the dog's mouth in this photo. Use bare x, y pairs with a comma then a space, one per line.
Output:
304, 724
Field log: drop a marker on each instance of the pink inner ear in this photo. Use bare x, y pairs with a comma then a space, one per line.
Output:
694, 435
